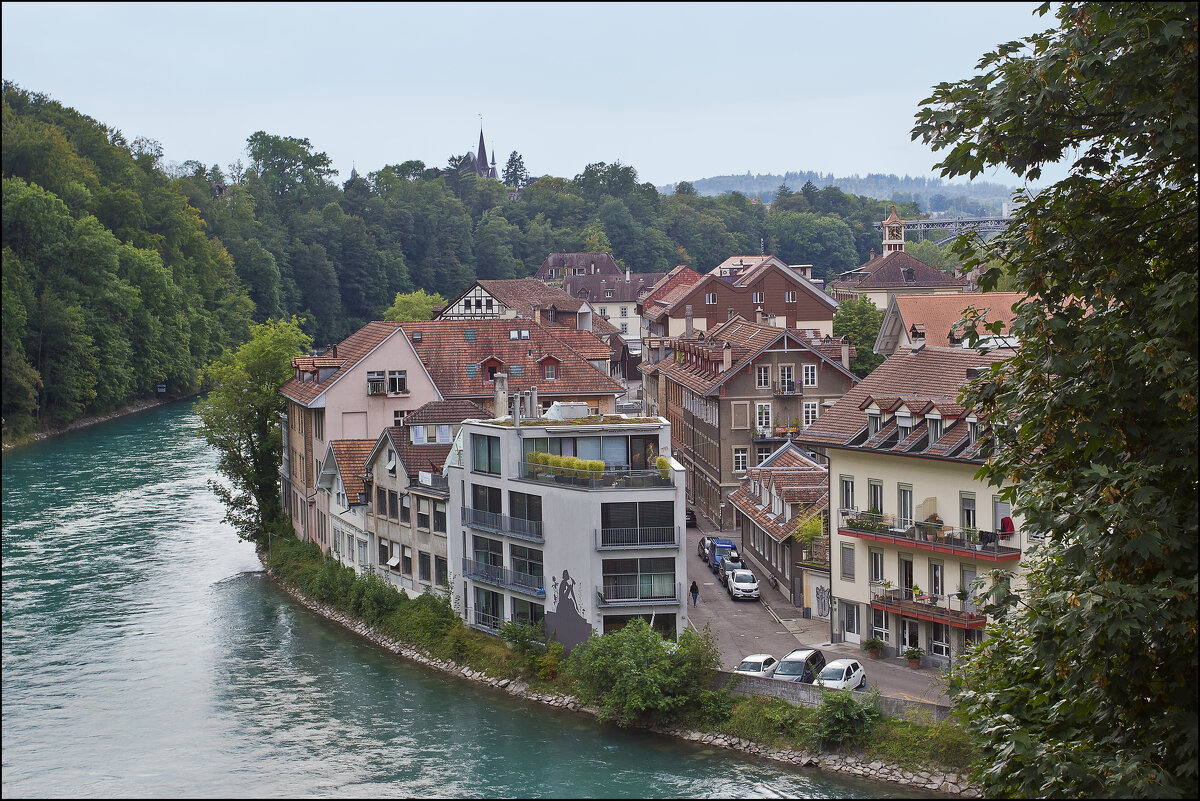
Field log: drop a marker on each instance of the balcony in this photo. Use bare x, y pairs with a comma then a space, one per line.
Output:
431, 482
484, 620
529, 530
623, 594
961, 543
788, 388
504, 577
652, 537
377, 386
571, 478
961, 613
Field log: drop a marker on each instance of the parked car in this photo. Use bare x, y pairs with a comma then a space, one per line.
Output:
704, 547
742, 584
842, 673
762, 665
729, 564
802, 665
718, 549
689, 517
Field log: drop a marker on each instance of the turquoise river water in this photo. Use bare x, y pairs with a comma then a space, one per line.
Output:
145, 654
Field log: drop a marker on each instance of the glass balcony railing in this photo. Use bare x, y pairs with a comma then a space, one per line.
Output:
597, 479
624, 593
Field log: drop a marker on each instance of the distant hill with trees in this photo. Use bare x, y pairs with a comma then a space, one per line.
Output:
977, 198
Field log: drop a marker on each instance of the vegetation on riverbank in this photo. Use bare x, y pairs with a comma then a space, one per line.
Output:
632, 677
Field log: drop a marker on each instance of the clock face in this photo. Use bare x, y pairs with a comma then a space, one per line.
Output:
896, 232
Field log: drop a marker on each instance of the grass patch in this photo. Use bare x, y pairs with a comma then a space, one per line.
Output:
920, 744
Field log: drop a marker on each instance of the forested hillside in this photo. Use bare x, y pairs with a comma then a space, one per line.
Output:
122, 273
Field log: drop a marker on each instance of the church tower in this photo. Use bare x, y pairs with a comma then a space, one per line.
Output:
893, 233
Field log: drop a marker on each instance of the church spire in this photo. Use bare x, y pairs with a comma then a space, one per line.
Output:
893, 233
481, 161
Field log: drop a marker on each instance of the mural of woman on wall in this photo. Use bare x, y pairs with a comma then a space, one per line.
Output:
566, 622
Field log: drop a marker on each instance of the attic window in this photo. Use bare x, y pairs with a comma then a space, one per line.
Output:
472, 370
416, 337
904, 424
608, 293
524, 333
935, 428
514, 334
469, 334
874, 421
516, 370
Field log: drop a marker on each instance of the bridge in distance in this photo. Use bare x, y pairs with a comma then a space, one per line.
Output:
953, 226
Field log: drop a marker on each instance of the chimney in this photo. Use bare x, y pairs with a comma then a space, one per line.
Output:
627, 275
846, 352
759, 317
687, 320
534, 409
500, 407
335, 350
872, 254
728, 356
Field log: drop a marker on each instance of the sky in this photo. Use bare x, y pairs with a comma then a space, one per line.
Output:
679, 91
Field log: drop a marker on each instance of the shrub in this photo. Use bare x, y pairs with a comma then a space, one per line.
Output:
842, 719
549, 663
379, 599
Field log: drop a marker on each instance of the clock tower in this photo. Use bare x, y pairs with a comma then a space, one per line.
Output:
893, 233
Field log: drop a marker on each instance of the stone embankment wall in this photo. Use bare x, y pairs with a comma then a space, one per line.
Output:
849, 765
810, 696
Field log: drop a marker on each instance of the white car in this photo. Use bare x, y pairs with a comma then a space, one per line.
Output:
841, 674
742, 584
761, 665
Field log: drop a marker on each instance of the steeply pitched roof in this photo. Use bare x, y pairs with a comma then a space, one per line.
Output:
350, 455
936, 314
602, 263
909, 377
596, 288
586, 343
348, 352
745, 340
663, 295
452, 351
416, 458
795, 478
526, 295
892, 270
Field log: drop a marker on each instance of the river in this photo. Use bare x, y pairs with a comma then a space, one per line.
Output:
145, 654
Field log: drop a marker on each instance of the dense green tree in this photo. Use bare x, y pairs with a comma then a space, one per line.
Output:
1086, 685
239, 418
21, 383
495, 238
413, 306
860, 320
685, 188
287, 164
826, 243
941, 258
515, 174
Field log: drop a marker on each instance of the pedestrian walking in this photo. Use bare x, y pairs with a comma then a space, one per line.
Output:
695, 591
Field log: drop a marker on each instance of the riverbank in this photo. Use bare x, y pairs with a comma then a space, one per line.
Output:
84, 422
851, 764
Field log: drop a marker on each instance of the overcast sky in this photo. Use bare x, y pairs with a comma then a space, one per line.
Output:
678, 91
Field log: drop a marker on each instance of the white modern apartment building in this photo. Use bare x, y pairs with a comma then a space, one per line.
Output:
582, 549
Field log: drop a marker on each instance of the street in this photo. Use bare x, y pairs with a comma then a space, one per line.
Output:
773, 626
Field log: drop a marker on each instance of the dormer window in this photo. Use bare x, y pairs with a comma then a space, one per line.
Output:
935, 428
608, 293
874, 423
972, 431
550, 371
904, 425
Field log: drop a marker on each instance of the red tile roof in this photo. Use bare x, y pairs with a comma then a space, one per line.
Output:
453, 359
350, 456
416, 458
917, 378
674, 285
596, 287
603, 263
936, 314
895, 269
792, 476
526, 295
349, 352
446, 411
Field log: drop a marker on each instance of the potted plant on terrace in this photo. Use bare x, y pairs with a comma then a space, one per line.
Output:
972, 537
913, 655
664, 467
873, 646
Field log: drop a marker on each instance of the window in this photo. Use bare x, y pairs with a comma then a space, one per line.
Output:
550, 371
406, 560
485, 498
603, 311
904, 425
935, 428
391, 461
608, 293
967, 509
848, 561
785, 378
488, 303
380, 502
874, 495
874, 423
762, 414
939, 642
422, 512
850, 617
905, 571
789, 296
646, 579
937, 578
523, 506
441, 571
811, 408
424, 571
810, 375
398, 416
762, 377
397, 382
362, 553
624, 328
527, 562
879, 625
739, 459
764, 452
383, 551
349, 549
418, 435
376, 382
876, 565
972, 431
444, 432
318, 418
439, 517
904, 507
910, 634
758, 297
624, 311
393, 505
710, 298
405, 515
527, 611
847, 492
486, 452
